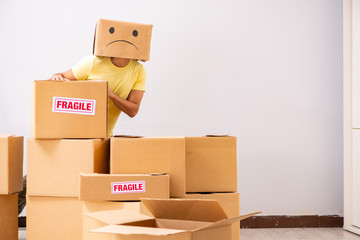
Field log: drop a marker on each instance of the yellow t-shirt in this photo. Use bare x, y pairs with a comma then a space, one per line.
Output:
120, 80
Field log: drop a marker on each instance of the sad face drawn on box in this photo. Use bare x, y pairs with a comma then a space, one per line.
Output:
122, 39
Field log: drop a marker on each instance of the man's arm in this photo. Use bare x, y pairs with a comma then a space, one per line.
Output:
131, 105
65, 76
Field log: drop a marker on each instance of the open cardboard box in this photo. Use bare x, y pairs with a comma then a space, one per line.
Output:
175, 219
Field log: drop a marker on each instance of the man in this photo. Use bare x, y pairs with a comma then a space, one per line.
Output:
117, 48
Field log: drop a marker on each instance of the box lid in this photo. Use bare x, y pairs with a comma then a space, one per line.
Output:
113, 217
185, 209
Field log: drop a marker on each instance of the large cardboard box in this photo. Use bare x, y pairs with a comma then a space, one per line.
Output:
90, 223
211, 164
123, 187
150, 155
122, 39
11, 164
53, 166
230, 202
185, 219
9, 217
55, 218
195, 164
69, 109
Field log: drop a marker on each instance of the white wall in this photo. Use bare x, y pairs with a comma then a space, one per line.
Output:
266, 71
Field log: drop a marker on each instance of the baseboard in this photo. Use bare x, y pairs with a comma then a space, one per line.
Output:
278, 221
22, 221
299, 221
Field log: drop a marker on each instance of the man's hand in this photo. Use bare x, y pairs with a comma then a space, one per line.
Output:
58, 77
65, 76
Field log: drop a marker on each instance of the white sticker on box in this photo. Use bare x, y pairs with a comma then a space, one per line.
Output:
128, 187
74, 105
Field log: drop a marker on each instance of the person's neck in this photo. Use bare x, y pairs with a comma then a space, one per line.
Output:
120, 62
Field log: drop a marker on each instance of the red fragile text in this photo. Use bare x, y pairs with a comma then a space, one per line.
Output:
128, 187
74, 105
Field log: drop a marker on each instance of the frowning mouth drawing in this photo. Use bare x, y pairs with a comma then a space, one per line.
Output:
122, 41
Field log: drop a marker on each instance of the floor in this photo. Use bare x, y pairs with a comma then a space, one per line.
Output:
281, 234
297, 234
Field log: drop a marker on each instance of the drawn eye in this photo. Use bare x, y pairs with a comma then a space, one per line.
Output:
135, 33
111, 30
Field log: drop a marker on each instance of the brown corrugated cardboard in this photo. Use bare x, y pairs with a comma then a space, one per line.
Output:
9, 217
195, 164
53, 166
55, 218
149, 155
123, 187
11, 164
90, 223
184, 219
69, 109
230, 202
211, 164
122, 39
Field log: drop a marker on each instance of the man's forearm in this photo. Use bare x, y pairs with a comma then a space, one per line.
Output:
126, 106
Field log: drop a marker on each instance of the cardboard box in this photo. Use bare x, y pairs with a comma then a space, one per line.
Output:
123, 187
122, 39
9, 217
90, 223
173, 219
230, 202
11, 164
54, 165
69, 109
55, 218
211, 164
150, 155
195, 164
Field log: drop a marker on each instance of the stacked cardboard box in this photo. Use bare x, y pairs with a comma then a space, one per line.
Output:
69, 128
199, 167
75, 173
11, 174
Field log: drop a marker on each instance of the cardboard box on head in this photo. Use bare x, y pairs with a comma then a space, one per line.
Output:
122, 39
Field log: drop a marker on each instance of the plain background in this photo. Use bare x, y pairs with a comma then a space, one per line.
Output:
266, 71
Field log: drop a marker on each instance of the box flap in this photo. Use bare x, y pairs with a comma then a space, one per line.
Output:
185, 209
228, 221
118, 216
128, 136
131, 230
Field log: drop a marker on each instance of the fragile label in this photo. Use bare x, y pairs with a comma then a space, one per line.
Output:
128, 187
74, 105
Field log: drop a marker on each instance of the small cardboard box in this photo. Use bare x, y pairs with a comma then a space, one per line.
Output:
211, 164
122, 39
230, 202
195, 164
130, 155
54, 165
123, 187
11, 164
9, 217
69, 109
175, 219
55, 218
90, 223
